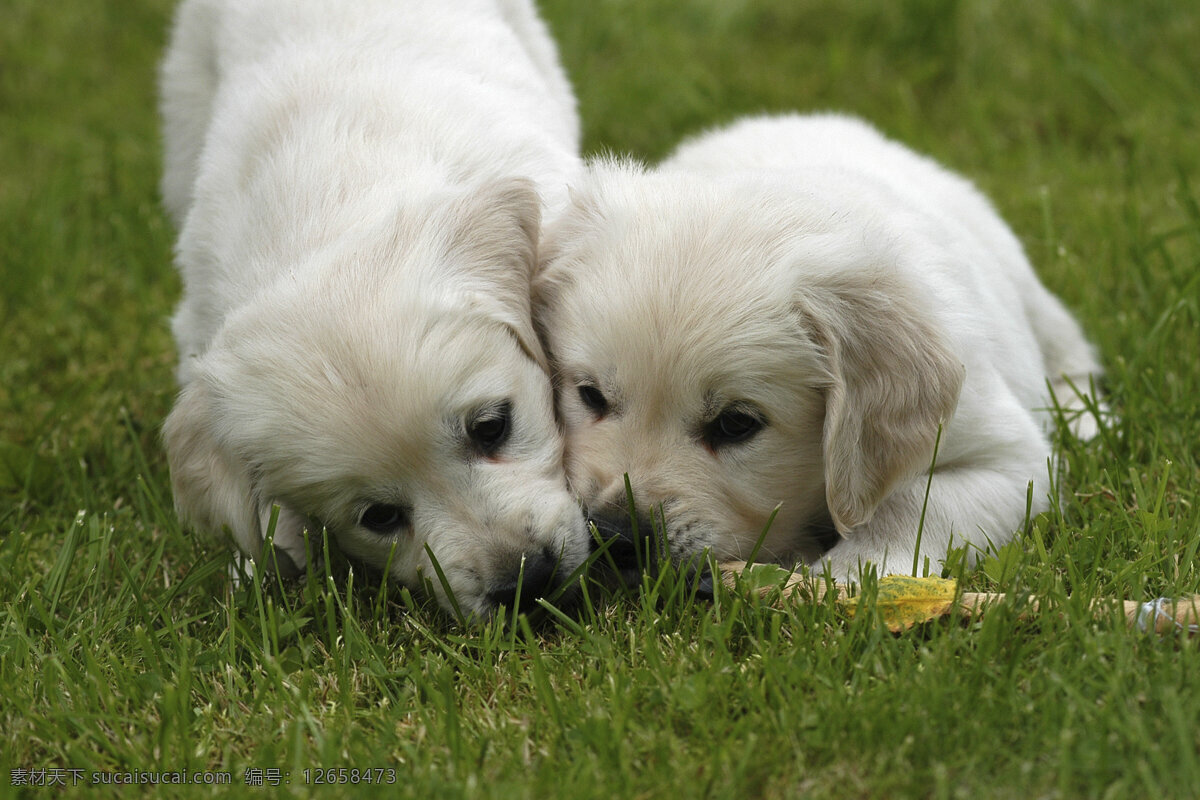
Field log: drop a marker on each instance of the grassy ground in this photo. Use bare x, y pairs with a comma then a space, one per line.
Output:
122, 646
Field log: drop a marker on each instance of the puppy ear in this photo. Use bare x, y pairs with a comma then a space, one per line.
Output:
495, 237
555, 270
549, 281
213, 488
892, 381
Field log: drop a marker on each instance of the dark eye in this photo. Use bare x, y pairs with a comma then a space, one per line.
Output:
594, 399
384, 518
732, 426
490, 429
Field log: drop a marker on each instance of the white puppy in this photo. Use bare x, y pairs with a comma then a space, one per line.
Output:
786, 313
355, 184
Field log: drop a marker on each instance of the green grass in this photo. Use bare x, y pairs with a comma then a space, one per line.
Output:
123, 646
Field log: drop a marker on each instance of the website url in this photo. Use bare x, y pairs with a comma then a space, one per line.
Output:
65, 776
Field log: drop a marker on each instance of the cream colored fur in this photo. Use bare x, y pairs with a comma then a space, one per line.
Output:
359, 186
851, 297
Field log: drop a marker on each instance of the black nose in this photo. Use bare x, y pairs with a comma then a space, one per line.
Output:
633, 545
703, 579
629, 544
535, 575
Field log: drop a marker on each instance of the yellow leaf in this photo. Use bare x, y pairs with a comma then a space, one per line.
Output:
903, 601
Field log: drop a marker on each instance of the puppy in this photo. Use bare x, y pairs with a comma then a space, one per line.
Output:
790, 317
356, 185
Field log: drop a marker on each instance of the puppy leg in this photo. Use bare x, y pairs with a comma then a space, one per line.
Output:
1071, 363
977, 496
972, 506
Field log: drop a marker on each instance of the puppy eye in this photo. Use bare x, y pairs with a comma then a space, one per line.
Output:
594, 399
384, 518
732, 426
490, 430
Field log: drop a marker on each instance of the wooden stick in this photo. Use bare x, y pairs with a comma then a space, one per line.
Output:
1161, 615
904, 601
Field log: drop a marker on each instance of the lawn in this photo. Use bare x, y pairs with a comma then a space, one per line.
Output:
125, 650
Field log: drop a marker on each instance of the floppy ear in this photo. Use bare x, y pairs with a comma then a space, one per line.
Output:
548, 282
893, 380
495, 234
213, 488
555, 272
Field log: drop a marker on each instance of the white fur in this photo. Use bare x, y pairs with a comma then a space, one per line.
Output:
356, 184
853, 295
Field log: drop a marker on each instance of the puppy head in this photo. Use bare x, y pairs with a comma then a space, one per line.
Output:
398, 397
734, 346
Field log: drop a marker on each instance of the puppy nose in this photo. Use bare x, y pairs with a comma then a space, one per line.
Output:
535, 578
704, 580
629, 543
633, 546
